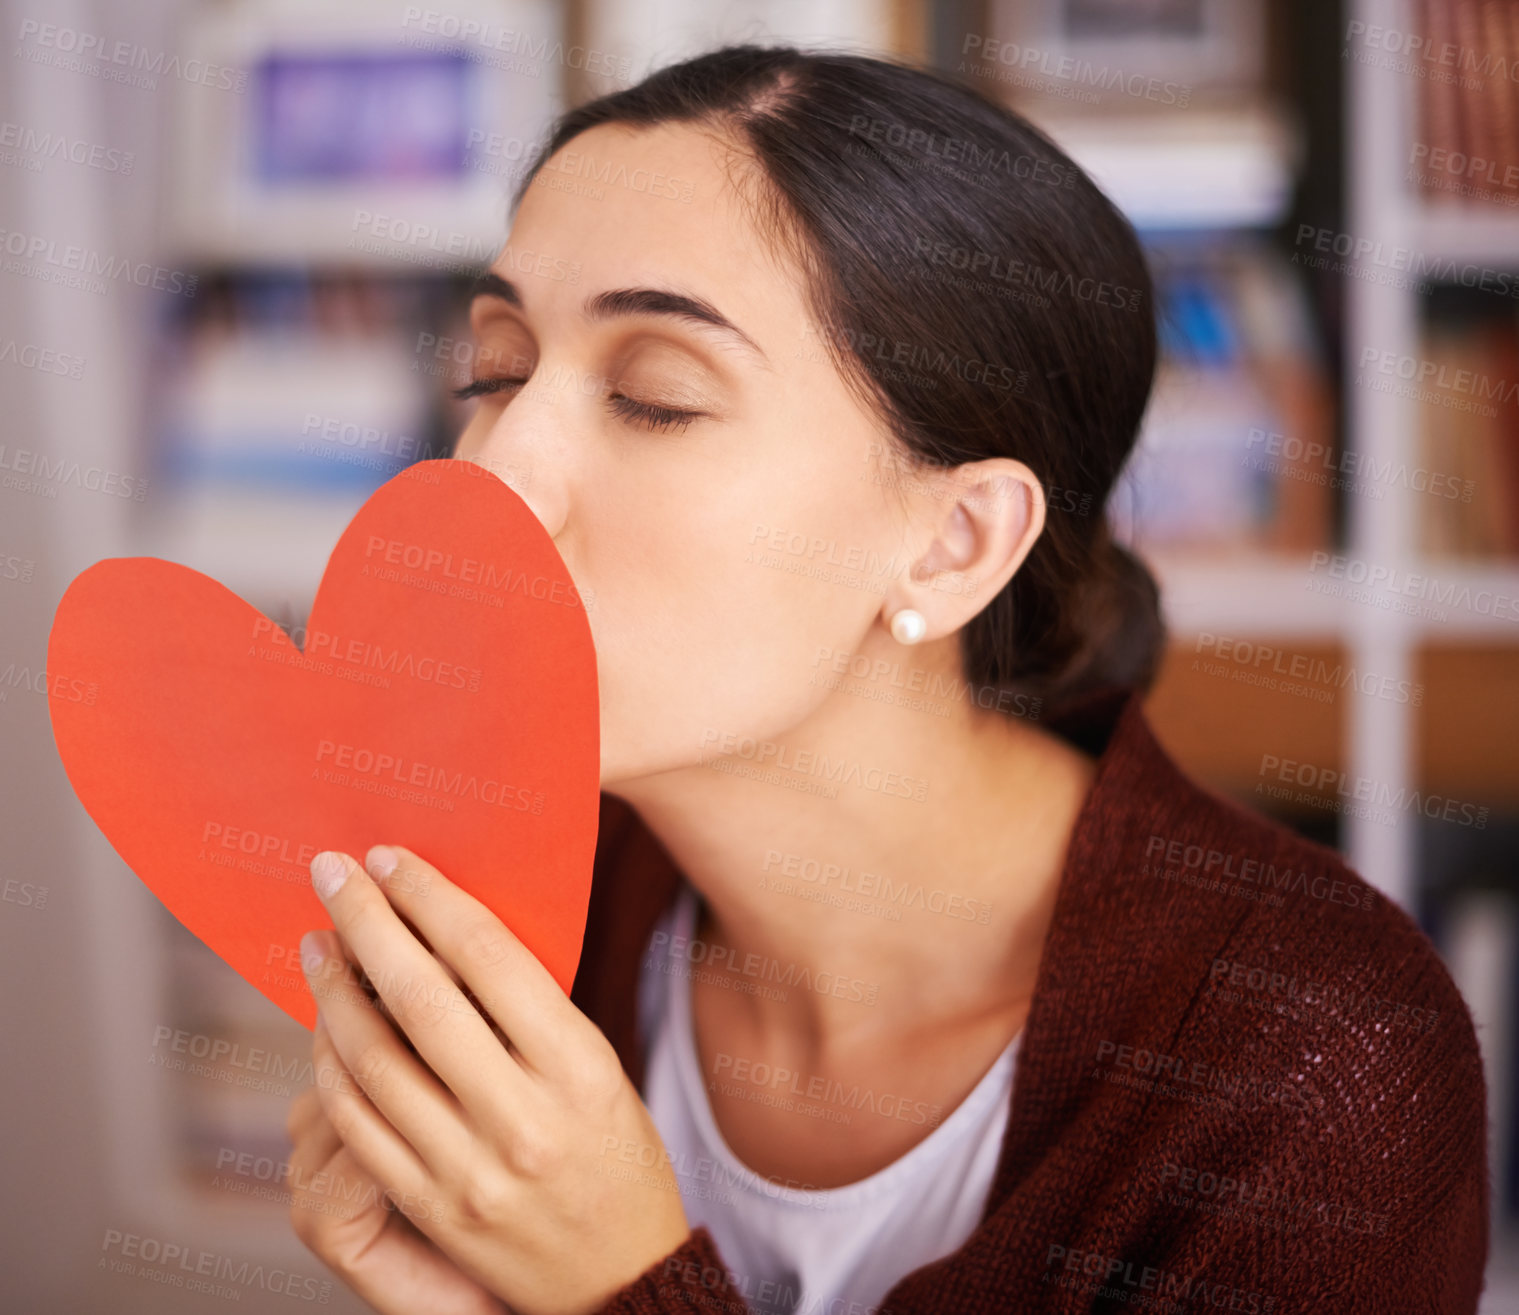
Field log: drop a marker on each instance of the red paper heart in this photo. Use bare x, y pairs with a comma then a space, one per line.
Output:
446, 701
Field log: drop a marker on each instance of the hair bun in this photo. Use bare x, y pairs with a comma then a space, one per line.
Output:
1122, 626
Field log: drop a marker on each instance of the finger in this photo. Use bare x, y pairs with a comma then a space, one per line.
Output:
304, 1110
380, 1255
374, 1142
309, 1158
453, 1039
385, 1075
514, 988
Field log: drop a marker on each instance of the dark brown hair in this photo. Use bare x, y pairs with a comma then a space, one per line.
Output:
987, 297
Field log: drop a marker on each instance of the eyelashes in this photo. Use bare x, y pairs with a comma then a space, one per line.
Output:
480, 387
659, 417
646, 413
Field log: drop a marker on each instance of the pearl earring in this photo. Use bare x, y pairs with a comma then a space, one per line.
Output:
908, 626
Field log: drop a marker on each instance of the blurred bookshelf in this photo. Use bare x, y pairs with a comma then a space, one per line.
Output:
1284, 448
330, 236
332, 217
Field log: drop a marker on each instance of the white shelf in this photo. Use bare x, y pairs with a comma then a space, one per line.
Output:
1484, 235
1275, 595
1195, 170
1245, 596
1501, 1295
1381, 118
262, 547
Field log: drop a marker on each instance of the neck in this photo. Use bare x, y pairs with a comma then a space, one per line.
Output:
900, 864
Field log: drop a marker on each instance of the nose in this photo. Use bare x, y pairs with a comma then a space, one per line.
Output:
528, 449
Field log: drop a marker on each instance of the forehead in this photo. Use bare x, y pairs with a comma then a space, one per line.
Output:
672, 205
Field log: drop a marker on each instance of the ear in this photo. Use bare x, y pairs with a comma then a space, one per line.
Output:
981, 519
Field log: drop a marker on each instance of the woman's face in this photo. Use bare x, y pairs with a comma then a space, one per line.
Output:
716, 491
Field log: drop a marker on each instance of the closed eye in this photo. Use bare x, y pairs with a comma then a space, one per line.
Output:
481, 387
648, 413
659, 417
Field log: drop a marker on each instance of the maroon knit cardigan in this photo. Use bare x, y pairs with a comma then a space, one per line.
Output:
1246, 1081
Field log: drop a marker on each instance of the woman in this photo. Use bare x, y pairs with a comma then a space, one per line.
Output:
917, 977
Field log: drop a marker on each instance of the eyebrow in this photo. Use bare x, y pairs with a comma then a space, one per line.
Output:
629, 301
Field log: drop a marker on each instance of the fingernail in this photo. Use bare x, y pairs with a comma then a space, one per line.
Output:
381, 862
312, 957
328, 873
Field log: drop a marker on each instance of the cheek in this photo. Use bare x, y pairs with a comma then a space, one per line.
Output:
718, 624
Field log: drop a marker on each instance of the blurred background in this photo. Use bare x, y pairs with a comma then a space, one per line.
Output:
235, 237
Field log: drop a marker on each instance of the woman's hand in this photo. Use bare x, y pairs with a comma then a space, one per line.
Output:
342, 1215
500, 1105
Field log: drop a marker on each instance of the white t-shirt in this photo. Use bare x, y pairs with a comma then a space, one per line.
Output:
801, 1252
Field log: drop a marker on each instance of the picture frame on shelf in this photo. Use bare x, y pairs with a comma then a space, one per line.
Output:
1199, 43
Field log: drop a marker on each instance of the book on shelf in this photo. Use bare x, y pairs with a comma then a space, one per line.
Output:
303, 382
1467, 152
1468, 440
1236, 448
